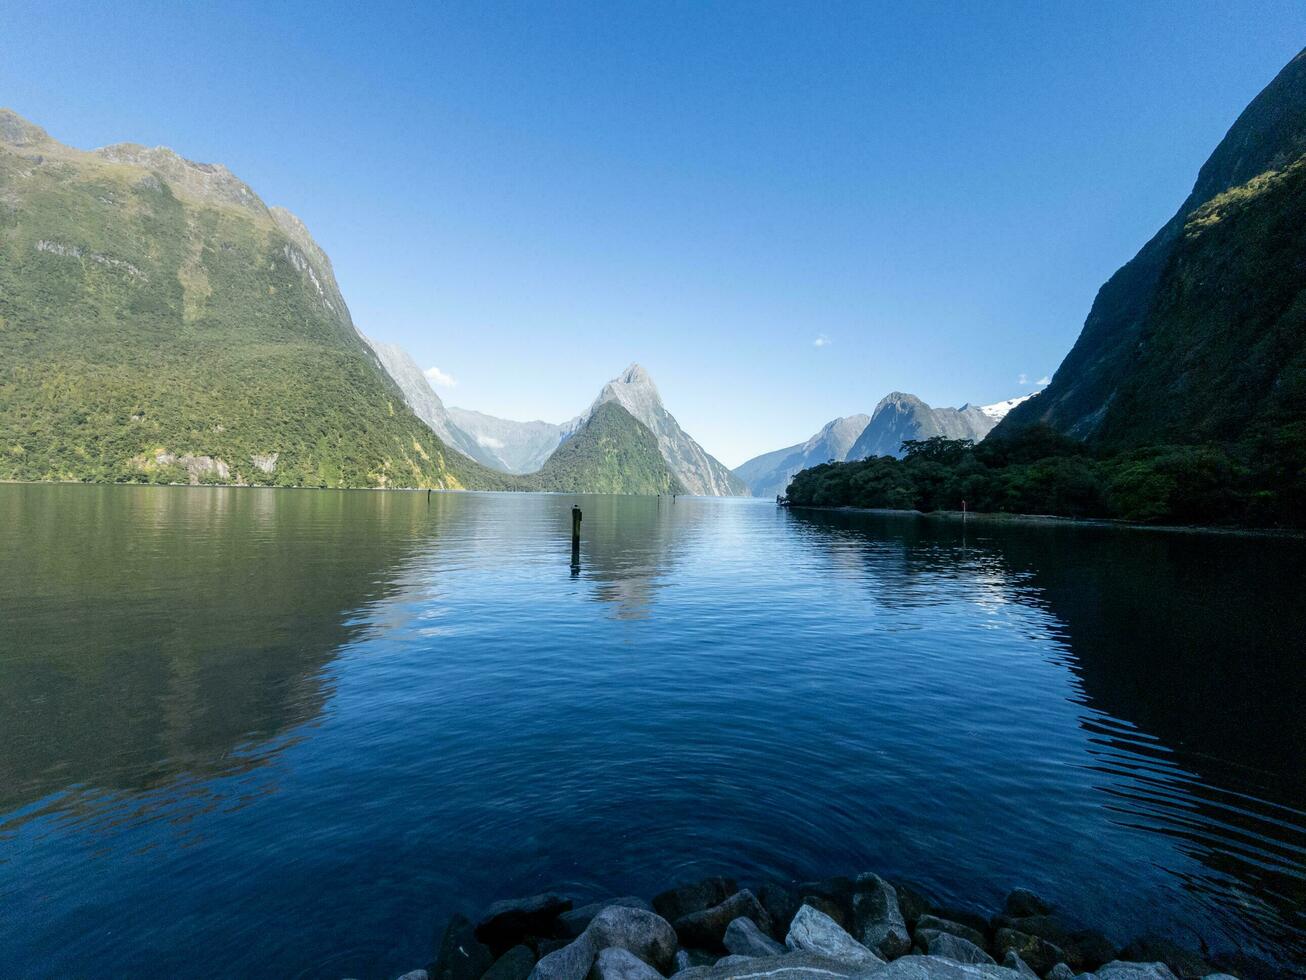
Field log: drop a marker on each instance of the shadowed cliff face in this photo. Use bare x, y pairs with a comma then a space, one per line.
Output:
193, 628
1159, 356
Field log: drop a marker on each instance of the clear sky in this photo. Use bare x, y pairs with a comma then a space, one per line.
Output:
783, 211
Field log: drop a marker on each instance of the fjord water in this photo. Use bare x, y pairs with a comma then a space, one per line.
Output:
259, 732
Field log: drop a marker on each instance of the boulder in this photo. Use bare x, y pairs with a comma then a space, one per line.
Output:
790, 966
836, 892
937, 968
572, 962
1022, 902
516, 964
781, 904
1120, 970
1183, 962
507, 923
1040, 954
676, 903
615, 963
828, 906
744, 938
812, 931
415, 975
683, 961
707, 928
1085, 949
572, 923
956, 928
460, 955
879, 921
1059, 972
912, 901
1014, 962
938, 943
645, 934
735, 958
966, 917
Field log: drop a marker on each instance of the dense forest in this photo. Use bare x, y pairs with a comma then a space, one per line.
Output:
1260, 482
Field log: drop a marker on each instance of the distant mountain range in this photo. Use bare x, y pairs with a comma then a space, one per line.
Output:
897, 418
526, 447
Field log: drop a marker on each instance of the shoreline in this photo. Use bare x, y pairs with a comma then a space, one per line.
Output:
1056, 520
859, 928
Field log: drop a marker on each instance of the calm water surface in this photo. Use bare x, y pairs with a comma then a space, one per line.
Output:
250, 732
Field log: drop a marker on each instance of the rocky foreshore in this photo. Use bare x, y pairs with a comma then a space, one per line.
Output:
836, 929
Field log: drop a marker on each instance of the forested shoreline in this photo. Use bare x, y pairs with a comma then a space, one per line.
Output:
1258, 483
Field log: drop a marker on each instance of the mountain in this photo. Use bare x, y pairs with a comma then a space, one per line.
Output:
1201, 337
1000, 410
698, 472
158, 321
514, 447
900, 416
611, 452
425, 403
769, 474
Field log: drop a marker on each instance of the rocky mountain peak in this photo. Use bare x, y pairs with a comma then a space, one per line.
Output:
17, 131
211, 183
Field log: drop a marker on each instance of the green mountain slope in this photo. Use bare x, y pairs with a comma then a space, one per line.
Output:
159, 322
1201, 336
613, 452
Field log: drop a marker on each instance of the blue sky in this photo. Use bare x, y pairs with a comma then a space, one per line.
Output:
783, 211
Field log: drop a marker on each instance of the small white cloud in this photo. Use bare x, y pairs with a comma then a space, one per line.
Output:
489, 442
1045, 380
438, 377
1022, 380
822, 341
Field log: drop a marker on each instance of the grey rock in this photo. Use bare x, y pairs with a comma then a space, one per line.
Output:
937, 968
414, 975
912, 901
735, 958
1040, 954
572, 962
838, 911
708, 927
1014, 962
682, 960
615, 963
507, 923
965, 917
812, 931
1085, 949
515, 964
1059, 972
1021, 902
645, 934
676, 903
1183, 962
744, 938
879, 921
571, 924
938, 943
460, 955
956, 928
1120, 970
790, 966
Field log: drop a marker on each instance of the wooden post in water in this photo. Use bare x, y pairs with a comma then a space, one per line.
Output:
575, 539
